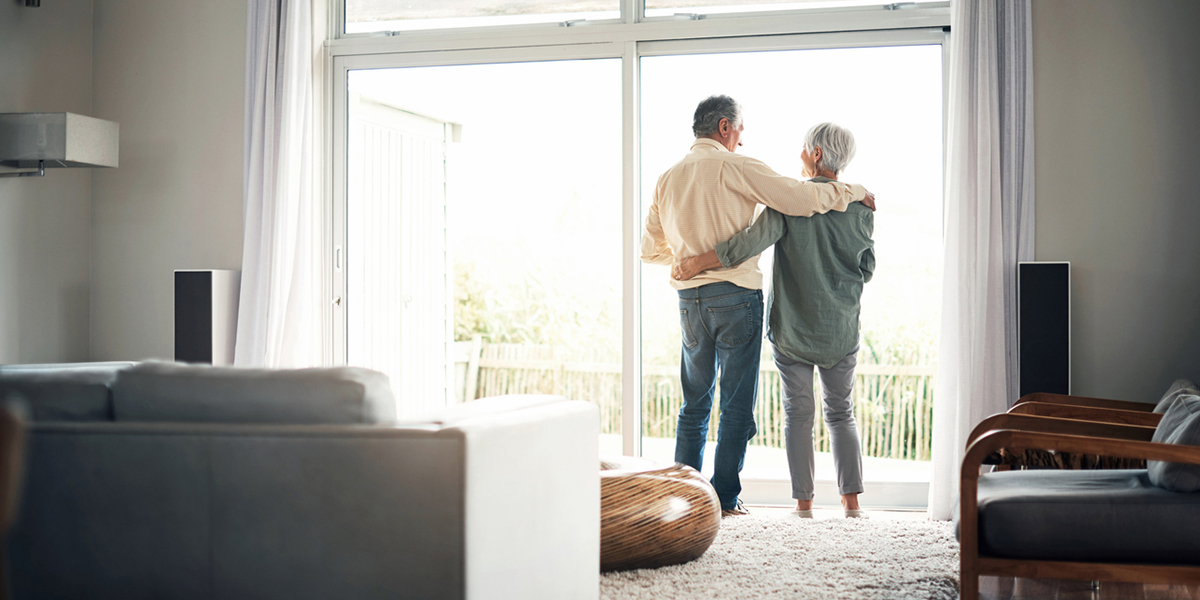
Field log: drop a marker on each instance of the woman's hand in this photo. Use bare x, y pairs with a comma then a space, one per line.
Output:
692, 266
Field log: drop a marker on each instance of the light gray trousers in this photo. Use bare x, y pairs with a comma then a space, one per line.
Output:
837, 391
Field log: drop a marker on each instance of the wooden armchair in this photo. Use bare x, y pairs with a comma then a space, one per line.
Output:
1125, 535
1048, 424
1087, 409
1079, 409
1085, 401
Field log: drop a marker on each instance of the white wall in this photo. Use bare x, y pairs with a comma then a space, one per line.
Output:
45, 221
172, 72
1117, 117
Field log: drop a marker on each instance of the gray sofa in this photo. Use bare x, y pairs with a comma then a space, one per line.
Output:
161, 480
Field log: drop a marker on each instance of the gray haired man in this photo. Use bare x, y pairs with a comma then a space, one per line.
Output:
706, 198
821, 264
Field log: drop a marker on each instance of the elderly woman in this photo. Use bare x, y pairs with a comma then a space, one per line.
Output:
821, 264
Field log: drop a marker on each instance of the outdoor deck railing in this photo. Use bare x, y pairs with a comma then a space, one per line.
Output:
893, 403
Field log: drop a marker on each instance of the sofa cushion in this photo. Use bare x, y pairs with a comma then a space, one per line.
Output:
163, 391
1181, 387
1101, 516
1181, 425
63, 391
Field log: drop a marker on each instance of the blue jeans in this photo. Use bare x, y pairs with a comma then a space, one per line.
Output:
722, 335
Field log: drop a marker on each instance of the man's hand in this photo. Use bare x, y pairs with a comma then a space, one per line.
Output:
869, 201
695, 265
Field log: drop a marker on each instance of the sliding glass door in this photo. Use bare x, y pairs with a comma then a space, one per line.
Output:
489, 191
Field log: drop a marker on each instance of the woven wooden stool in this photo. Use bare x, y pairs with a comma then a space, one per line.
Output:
653, 515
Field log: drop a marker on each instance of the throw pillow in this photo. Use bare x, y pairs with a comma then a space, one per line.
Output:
1181, 387
1180, 425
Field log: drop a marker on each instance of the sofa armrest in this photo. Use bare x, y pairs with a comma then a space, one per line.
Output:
533, 500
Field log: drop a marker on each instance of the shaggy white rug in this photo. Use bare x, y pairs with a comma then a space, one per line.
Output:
757, 556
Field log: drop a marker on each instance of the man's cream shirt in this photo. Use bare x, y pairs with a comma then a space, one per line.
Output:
712, 194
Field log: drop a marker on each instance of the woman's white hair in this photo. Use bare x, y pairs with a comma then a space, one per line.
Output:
836, 144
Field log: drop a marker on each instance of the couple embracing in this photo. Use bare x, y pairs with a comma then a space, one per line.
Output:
702, 223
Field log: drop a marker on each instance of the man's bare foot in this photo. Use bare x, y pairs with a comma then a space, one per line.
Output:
804, 504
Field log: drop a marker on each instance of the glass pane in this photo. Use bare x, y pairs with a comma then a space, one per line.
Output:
528, 248
366, 16
666, 8
891, 100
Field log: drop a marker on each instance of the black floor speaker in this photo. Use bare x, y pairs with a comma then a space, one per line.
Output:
206, 315
1044, 326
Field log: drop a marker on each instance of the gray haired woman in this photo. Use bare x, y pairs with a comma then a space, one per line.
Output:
821, 264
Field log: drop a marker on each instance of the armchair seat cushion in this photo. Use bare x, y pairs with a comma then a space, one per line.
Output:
1098, 516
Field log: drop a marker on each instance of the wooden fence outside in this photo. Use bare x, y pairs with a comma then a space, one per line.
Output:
893, 404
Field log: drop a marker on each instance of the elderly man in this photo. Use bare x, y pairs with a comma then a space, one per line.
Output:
705, 199
821, 264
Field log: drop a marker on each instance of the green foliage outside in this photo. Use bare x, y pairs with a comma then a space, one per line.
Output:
535, 310
542, 309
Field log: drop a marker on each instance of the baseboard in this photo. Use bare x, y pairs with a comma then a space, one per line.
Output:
879, 495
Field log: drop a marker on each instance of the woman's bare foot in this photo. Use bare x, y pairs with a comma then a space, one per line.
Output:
853, 511
803, 509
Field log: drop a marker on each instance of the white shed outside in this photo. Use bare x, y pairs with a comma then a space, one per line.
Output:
399, 315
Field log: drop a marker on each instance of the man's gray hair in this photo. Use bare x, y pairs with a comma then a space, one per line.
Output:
836, 144
709, 113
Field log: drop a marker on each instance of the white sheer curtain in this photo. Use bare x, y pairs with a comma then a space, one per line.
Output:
988, 228
279, 318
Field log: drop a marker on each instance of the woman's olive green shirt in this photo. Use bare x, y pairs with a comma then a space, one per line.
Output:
821, 264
